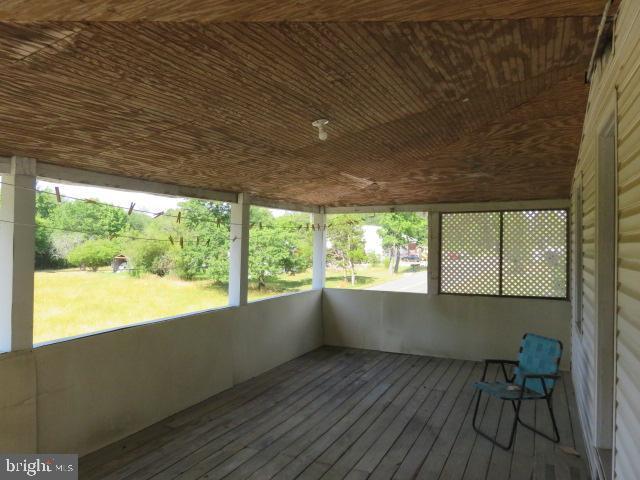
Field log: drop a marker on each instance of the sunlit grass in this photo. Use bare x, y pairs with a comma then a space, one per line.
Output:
70, 303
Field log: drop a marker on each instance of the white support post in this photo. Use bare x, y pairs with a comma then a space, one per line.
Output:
17, 253
433, 253
239, 252
319, 251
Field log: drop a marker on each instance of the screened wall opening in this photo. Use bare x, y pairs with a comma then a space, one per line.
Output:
512, 253
280, 252
110, 258
378, 251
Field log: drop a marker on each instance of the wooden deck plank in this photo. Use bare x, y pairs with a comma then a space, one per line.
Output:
232, 443
500, 462
138, 444
420, 449
344, 413
563, 418
294, 425
306, 453
298, 464
457, 461
429, 368
192, 435
478, 462
394, 456
338, 448
523, 446
441, 449
377, 451
383, 428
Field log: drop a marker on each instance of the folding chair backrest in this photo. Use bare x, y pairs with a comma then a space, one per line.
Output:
538, 355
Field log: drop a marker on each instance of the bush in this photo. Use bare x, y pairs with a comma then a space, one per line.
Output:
93, 254
373, 259
150, 257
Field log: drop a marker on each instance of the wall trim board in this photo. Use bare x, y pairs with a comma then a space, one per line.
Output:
456, 207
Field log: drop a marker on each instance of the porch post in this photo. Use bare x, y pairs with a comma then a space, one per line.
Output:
239, 252
433, 253
17, 249
319, 250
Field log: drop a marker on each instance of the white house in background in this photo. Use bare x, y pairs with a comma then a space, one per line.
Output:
372, 241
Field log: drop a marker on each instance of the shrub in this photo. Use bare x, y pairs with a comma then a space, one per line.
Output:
373, 259
93, 254
150, 257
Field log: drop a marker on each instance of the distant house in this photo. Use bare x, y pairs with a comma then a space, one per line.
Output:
372, 240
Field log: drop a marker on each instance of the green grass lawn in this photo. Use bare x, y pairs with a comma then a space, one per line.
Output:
71, 302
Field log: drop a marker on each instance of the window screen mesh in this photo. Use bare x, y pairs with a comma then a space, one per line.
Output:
535, 253
470, 253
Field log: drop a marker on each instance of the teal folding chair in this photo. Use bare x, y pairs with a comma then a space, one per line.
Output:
533, 378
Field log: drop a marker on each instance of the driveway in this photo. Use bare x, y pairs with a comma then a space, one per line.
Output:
407, 282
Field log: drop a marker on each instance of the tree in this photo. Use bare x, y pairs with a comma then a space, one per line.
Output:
301, 236
278, 245
270, 249
206, 252
93, 254
46, 205
93, 220
398, 230
347, 243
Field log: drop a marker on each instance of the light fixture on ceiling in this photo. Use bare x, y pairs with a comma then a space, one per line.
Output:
320, 124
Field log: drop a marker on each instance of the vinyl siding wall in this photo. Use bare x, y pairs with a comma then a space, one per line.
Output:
615, 89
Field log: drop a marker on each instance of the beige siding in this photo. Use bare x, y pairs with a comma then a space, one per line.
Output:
619, 72
583, 338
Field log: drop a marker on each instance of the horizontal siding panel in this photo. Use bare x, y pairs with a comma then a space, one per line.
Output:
629, 277
628, 395
631, 237
629, 250
623, 468
629, 213
629, 358
631, 422
629, 95
626, 164
629, 301
627, 153
628, 128
588, 266
623, 449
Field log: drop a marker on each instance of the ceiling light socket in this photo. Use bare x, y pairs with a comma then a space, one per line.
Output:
320, 124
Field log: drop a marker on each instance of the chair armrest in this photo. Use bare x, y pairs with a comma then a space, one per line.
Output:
542, 377
546, 376
496, 360
502, 363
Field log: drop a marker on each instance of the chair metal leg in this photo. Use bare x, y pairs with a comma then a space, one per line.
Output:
556, 434
494, 439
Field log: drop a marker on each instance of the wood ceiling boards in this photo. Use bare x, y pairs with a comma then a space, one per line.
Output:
420, 112
292, 10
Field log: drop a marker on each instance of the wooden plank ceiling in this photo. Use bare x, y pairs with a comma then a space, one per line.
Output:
428, 111
292, 10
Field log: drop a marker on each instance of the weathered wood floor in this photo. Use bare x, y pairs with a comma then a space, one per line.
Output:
342, 413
